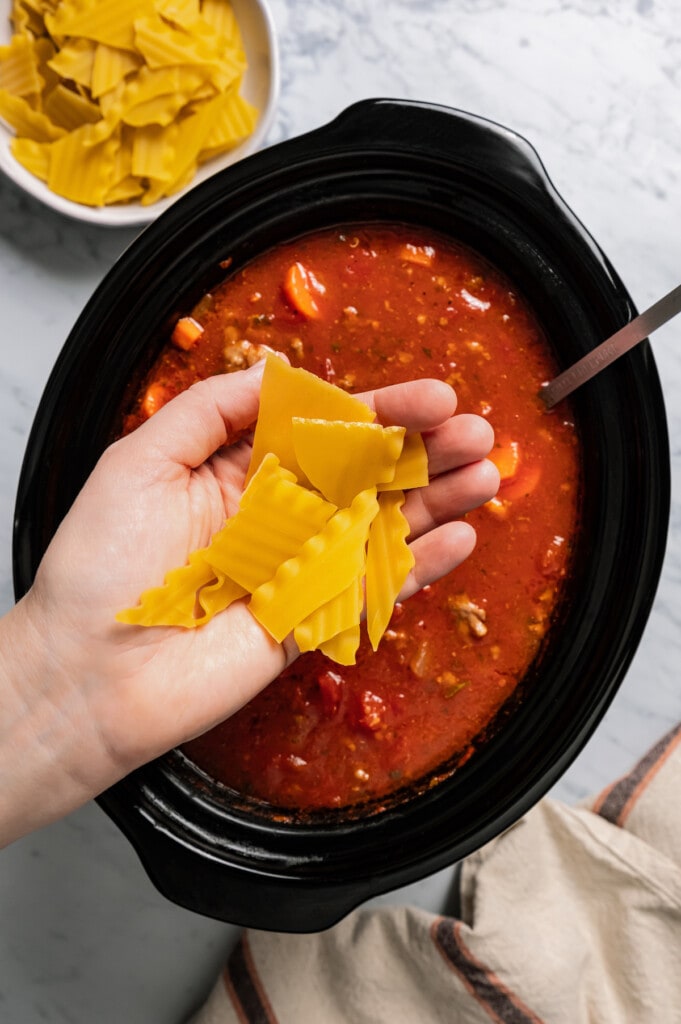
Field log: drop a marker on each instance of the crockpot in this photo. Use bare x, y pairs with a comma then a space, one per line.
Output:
483, 185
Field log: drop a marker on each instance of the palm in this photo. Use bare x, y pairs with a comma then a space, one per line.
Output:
161, 493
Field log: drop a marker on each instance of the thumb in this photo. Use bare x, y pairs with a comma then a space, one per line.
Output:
210, 414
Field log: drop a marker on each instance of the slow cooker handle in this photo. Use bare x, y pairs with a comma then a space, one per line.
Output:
489, 149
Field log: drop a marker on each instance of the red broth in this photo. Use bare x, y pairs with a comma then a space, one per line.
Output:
362, 307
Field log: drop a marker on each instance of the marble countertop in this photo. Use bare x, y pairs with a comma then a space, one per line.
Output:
597, 90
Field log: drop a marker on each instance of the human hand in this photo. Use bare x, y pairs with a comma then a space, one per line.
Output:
129, 694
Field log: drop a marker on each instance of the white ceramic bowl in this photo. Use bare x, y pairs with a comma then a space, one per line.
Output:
260, 87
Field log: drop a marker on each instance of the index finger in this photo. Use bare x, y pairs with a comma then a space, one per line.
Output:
416, 404
190, 428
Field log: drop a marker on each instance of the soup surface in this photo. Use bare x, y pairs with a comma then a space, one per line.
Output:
365, 306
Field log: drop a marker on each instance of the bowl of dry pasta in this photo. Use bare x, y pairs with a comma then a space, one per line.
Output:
110, 112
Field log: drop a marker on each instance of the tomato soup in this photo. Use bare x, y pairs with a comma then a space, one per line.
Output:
364, 306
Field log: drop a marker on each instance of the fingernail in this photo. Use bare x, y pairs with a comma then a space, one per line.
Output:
256, 369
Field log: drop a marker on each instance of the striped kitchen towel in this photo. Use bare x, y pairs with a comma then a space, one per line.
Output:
573, 916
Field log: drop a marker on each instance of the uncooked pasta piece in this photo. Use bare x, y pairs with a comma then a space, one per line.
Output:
163, 46
80, 168
110, 66
69, 109
184, 13
45, 50
341, 459
220, 16
155, 95
174, 603
287, 392
151, 158
126, 188
389, 560
34, 156
184, 142
412, 466
215, 597
26, 122
336, 616
327, 564
275, 519
233, 120
25, 18
75, 61
124, 184
111, 22
342, 648
18, 67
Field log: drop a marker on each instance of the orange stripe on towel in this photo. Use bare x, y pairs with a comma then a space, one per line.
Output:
502, 1005
244, 987
616, 803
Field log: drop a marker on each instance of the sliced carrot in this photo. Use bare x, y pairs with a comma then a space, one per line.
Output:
518, 478
423, 255
186, 333
302, 289
156, 396
506, 457
521, 484
498, 507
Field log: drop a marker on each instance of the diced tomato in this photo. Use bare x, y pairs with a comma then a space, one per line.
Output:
331, 688
302, 290
369, 712
186, 333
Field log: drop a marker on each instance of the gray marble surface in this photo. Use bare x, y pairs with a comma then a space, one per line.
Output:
597, 89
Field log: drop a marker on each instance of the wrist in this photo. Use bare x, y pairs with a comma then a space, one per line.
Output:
44, 727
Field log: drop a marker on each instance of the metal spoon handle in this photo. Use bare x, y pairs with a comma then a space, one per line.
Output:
612, 348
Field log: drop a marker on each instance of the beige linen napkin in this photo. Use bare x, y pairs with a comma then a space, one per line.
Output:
572, 916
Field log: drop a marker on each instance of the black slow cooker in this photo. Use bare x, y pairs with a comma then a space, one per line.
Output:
483, 185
